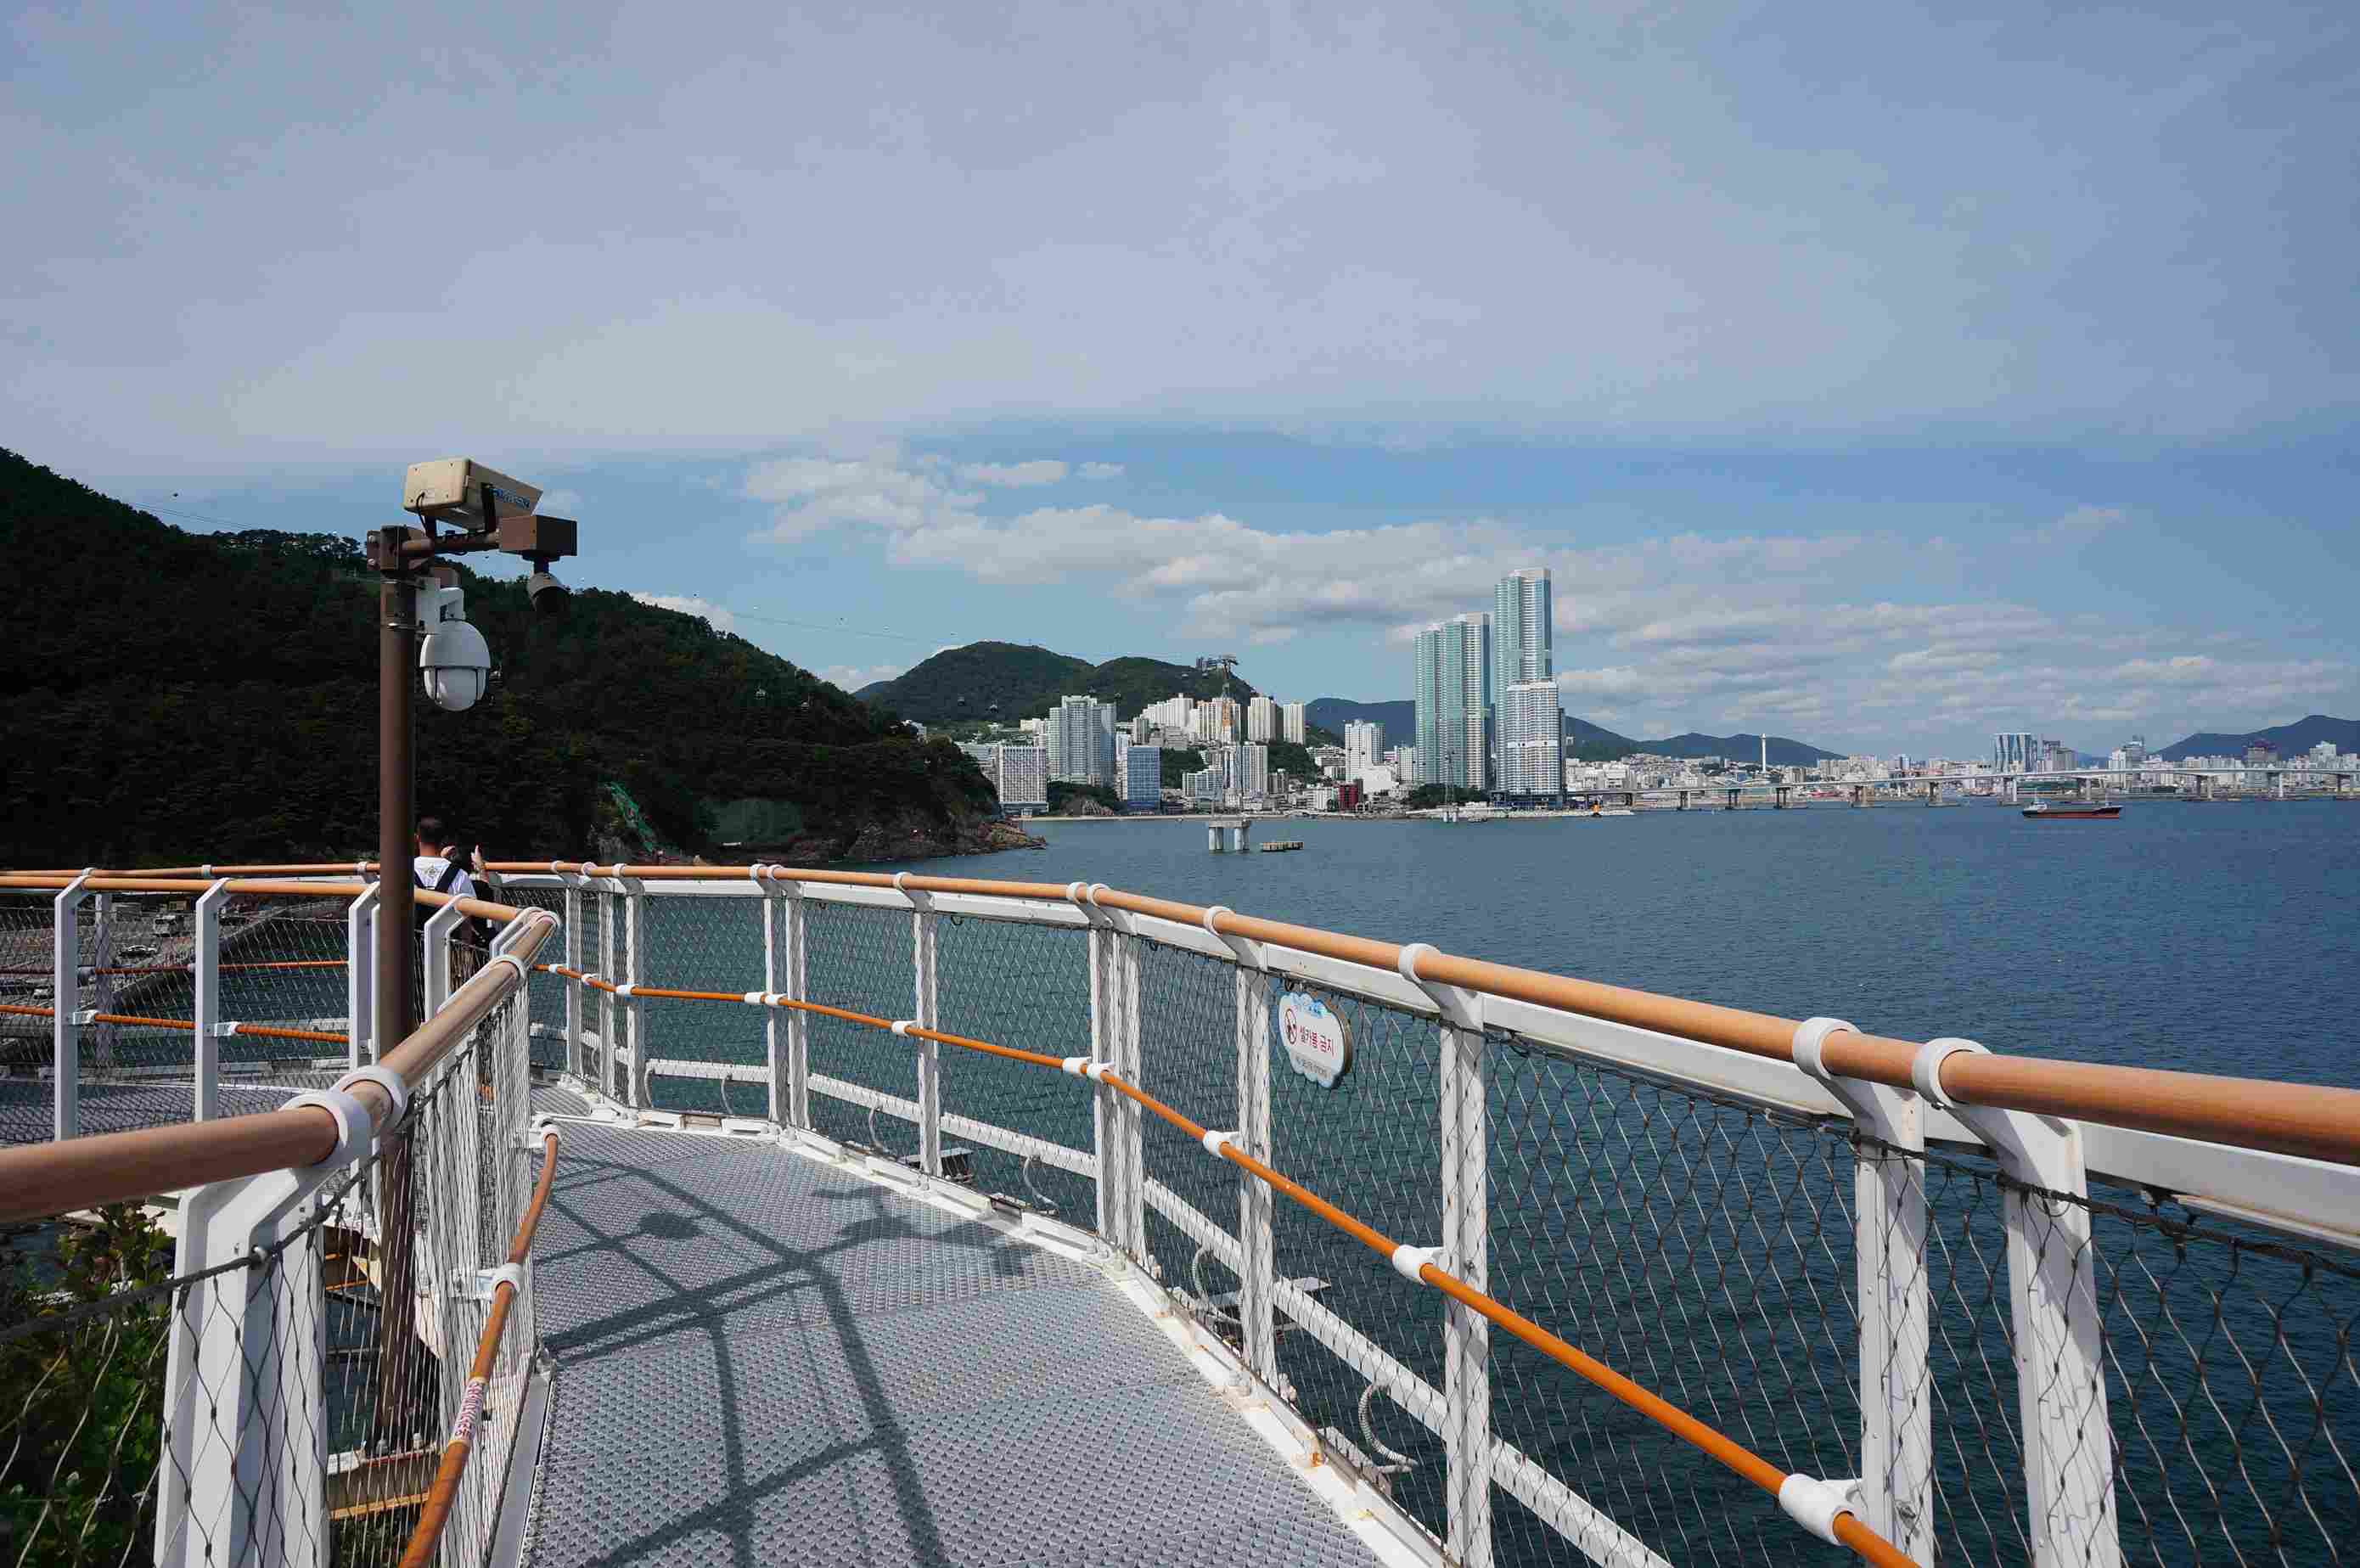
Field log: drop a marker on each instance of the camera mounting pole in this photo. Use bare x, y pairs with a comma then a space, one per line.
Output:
487, 510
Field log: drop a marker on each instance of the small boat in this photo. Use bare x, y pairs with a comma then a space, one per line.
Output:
2069, 809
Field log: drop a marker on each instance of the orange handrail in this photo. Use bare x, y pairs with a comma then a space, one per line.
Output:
40, 1180
265, 887
445, 1491
2310, 1120
1716, 1445
272, 1030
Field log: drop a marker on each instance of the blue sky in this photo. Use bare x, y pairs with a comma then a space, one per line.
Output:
1883, 379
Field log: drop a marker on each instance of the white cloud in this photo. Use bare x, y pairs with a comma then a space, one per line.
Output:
715, 615
1628, 221
852, 677
812, 495
1730, 632
1012, 476
1100, 470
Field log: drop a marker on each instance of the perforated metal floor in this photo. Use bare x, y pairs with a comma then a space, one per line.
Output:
762, 1361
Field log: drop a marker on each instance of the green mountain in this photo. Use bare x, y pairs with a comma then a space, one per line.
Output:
1740, 748
1008, 681
168, 695
2291, 740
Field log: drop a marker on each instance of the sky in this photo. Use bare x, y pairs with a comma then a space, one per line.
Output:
1881, 377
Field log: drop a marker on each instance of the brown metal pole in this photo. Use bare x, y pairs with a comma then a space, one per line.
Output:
398, 1350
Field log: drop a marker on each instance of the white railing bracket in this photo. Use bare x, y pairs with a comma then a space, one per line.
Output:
1461, 1008
1408, 1259
1814, 1503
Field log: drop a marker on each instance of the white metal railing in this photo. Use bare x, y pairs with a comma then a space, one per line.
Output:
303, 1386
2062, 1461
2069, 1481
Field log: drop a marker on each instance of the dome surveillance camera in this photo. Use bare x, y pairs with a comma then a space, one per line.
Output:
549, 597
455, 663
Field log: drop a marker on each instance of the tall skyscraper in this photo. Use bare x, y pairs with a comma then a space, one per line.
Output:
1531, 752
1253, 771
1453, 692
1142, 778
1528, 732
1261, 719
1081, 740
1292, 722
2012, 751
1364, 745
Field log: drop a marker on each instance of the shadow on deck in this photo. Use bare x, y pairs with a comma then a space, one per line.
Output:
762, 1359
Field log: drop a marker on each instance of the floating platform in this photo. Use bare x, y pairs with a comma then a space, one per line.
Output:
1279, 846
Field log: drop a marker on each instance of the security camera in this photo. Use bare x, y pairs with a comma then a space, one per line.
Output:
549, 597
456, 665
453, 659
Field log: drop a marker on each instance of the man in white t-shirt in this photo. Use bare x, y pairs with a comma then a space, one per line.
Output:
438, 868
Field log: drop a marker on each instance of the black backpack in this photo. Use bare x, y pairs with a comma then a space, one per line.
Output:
476, 933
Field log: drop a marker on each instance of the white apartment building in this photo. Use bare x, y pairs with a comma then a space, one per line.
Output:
1022, 774
1532, 753
1253, 771
1081, 740
1452, 686
1527, 735
1261, 719
1293, 723
1364, 743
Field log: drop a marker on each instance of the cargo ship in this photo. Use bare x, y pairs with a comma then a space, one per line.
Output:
2069, 809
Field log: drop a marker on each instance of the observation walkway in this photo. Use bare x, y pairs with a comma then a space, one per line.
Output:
741, 1214
763, 1355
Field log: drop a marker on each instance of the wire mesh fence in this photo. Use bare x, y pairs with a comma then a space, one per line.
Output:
1025, 986
1374, 1143
281, 977
285, 1404
864, 960
1701, 1246
2232, 1424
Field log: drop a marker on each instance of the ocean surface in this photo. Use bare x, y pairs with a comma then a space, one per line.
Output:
2210, 938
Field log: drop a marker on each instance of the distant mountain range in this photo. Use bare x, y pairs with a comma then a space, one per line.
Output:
2289, 739
1400, 719
1008, 681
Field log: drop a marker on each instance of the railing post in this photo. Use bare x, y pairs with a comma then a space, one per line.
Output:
101, 983
1258, 1273
360, 975
1895, 1490
791, 983
65, 1005
635, 972
610, 907
206, 1012
2060, 1380
1115, 1039
245, 1391
435, 952
575, 1067
1466, 1247
925, 933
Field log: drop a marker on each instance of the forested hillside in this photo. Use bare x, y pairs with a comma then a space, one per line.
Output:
173, 696
1008, 681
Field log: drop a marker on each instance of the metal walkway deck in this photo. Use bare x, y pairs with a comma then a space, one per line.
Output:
762, 1358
